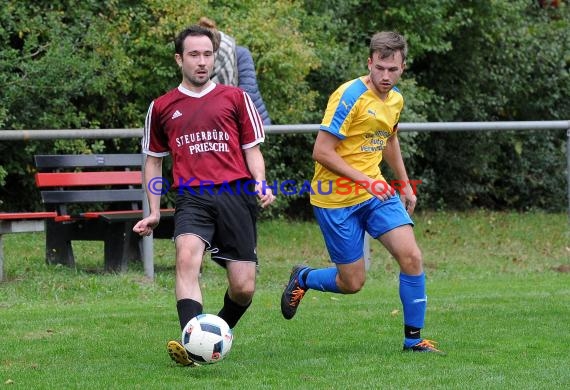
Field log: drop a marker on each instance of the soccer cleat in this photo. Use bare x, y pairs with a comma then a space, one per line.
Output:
424, 346
178, 353
293, 293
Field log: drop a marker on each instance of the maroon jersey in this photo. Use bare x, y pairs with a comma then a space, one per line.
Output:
204, 132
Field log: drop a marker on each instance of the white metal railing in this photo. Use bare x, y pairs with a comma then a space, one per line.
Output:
23, 135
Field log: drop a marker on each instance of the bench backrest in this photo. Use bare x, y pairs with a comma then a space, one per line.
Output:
97, 178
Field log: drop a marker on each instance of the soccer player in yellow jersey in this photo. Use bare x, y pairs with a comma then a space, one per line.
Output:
350, 196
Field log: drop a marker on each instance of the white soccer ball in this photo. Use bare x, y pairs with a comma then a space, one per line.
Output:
207, 339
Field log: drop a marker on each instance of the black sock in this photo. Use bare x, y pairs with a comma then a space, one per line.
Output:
411, 332
187, 309
232, 312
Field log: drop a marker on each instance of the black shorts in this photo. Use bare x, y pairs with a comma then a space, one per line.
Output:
224, 218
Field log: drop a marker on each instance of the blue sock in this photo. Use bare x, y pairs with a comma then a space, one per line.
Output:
322, 279
411, 342
414, 302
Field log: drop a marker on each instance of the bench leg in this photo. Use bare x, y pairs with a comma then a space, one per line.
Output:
58, 245
119, 247
134, 245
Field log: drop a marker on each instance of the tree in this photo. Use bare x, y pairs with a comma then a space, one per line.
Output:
509, 61
92, 64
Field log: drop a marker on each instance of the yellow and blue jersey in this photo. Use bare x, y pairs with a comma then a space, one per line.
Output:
363, 122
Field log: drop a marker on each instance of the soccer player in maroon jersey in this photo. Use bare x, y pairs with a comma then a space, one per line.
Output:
213, 133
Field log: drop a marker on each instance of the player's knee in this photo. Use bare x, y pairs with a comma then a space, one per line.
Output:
416, 256
243, 293
187, 256
411, 263
188, 264
243, 299
353, 285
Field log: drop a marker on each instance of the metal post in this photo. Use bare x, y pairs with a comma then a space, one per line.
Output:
147, 241
367, 251
568, 169
1, 259
148, 247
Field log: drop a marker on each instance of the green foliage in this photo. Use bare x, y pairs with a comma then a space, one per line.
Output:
510, 60
92, 64
53, 65
283, 55
289, 158
424, 23
530, 172
3, 174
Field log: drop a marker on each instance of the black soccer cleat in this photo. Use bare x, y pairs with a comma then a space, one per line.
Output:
293, 293
424, 346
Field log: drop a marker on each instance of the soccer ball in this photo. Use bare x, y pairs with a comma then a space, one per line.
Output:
207, 339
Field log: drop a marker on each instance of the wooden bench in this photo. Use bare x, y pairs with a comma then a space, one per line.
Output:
95, 198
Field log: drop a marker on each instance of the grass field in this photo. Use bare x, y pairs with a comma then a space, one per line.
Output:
499, 305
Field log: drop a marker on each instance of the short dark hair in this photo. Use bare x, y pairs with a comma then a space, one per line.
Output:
387, 43
194, 31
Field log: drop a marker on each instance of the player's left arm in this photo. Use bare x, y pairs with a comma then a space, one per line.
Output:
392, 154
256, 165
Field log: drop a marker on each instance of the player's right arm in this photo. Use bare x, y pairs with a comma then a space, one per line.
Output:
152, 174
324, 152
154, 147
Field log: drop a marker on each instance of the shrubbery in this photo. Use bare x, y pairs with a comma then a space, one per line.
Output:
91, 64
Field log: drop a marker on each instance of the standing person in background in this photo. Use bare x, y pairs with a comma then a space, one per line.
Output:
213, 133
225, 65
235, 60
247, 80
351, 197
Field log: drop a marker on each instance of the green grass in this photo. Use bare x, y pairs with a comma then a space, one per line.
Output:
499, 304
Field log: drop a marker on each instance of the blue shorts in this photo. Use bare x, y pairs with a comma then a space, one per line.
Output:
344, 228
